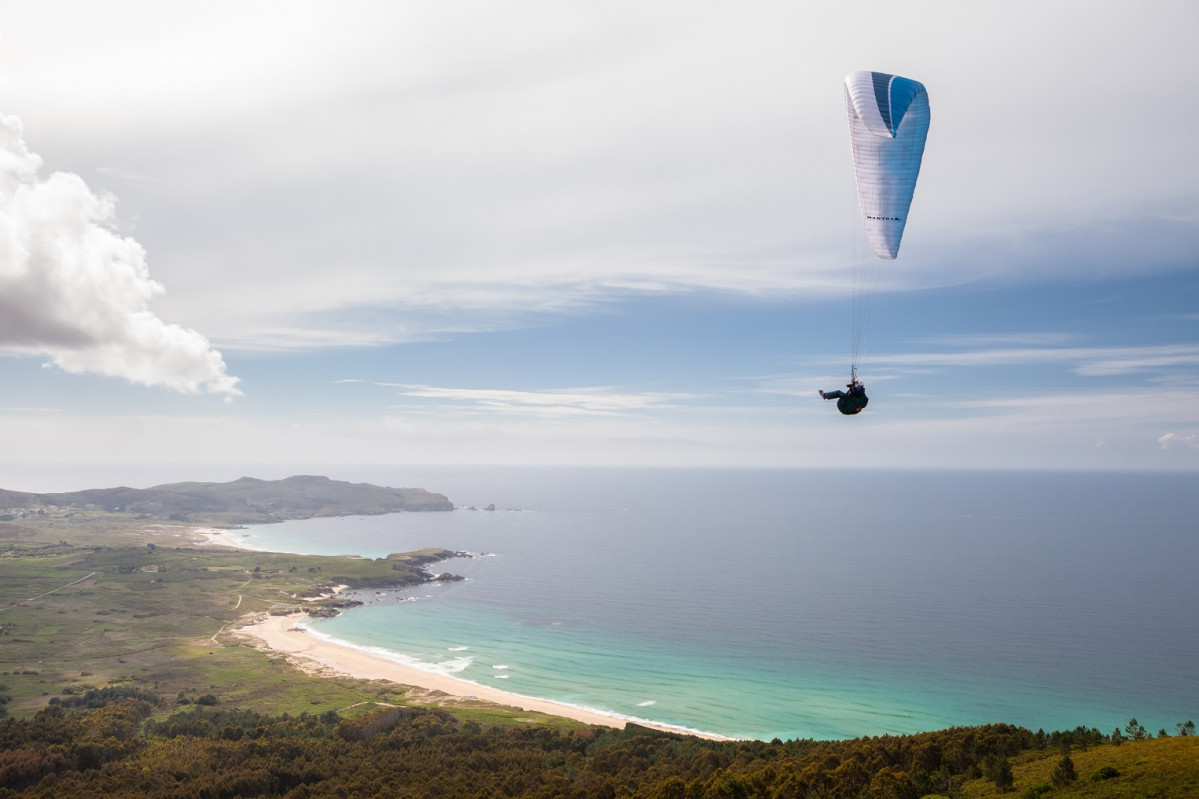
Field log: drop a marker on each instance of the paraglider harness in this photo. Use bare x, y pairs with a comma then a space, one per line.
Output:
855, 399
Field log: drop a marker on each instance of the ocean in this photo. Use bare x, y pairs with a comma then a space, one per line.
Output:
795, 603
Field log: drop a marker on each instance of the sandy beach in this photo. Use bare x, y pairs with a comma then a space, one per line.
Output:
219, 537
232, 537
316, 656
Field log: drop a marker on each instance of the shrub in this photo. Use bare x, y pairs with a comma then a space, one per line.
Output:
1105, 773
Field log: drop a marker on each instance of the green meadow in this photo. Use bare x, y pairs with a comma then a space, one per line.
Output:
97, 599
1161, 767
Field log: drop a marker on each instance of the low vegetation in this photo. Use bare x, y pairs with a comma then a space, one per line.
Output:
1153, 767
112, 745
77, 617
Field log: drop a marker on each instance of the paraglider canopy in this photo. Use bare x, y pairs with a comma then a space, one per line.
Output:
888, 124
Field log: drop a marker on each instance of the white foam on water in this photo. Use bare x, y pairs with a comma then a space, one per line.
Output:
443, 668
455, 665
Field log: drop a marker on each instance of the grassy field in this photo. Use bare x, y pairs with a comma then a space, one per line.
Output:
1158, 767
99, 599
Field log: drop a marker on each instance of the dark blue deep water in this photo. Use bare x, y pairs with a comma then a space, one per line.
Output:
783, 603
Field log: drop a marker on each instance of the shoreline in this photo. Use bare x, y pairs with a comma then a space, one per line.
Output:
229, 538
321, 657
220, 537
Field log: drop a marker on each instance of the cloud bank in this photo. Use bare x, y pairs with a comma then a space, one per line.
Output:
384, 174
72, 289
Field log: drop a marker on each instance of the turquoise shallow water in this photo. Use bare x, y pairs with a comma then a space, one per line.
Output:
792, 604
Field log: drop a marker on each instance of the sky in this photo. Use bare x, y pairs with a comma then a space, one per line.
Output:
559, 233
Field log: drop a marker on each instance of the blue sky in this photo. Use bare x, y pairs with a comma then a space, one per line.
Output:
556, 232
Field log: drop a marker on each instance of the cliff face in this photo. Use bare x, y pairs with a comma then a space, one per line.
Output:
247, 499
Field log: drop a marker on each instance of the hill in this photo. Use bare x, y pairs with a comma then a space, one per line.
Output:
244, 501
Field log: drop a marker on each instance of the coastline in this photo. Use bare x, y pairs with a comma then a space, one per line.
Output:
321, 657
236, 538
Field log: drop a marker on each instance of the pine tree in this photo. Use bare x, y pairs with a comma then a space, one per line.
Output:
1064, 773
998, 769
1135, 730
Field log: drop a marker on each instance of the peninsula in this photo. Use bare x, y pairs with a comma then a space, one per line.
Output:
244, 501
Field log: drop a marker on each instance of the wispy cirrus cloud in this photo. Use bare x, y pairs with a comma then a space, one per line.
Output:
116, 173
591, 401
1165, 406
1140, 359
1085, 361
1015, 338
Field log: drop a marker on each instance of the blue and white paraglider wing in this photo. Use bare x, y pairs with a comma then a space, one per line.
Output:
888, 123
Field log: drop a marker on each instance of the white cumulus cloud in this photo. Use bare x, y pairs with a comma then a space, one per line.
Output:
76, 291
1170, 440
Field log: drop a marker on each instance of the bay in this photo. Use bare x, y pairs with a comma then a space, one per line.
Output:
795, 603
